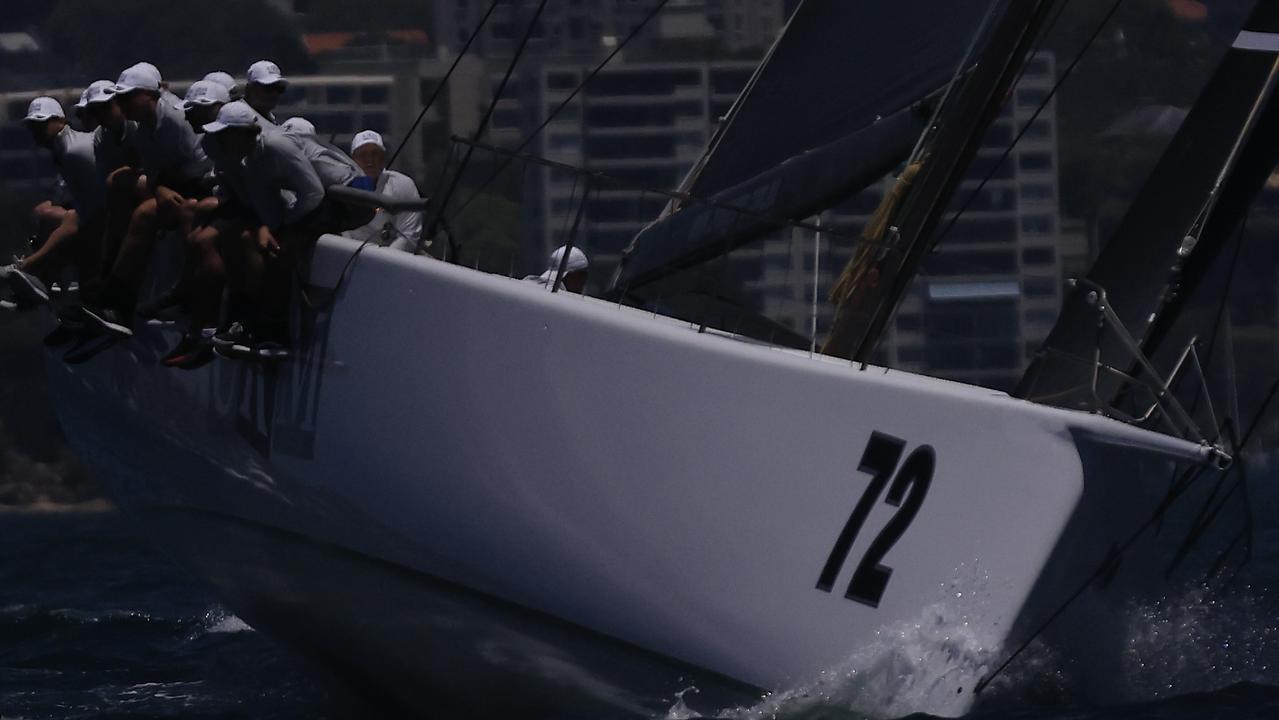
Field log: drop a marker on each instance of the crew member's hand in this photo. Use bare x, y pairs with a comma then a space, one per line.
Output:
267, 242
166, 198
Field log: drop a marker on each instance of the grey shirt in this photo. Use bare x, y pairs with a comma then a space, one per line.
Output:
170, 150
332, 165
276, 181
75, 154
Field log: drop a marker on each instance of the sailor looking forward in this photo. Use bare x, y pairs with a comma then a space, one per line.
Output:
265, 87
576, 270
74, 155
401, 231
176, 175
269, 173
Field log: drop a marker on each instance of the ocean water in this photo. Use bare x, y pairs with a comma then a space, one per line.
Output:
94, 622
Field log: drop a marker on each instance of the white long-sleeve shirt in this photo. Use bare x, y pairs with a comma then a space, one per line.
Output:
406, 227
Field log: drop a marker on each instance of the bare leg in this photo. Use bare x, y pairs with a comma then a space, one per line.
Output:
45, 262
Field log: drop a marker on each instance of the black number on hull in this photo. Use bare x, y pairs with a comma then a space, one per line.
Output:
911, 484
880, 459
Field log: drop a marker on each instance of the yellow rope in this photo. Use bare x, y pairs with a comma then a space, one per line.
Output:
868, 253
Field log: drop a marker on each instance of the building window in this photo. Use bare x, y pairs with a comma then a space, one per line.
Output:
375, 95
1035, 161
1037, 192
1038, 256
1039, 286
340, 94
1037, 224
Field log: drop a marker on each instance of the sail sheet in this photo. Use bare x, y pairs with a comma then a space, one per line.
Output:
1149, 267
830, 110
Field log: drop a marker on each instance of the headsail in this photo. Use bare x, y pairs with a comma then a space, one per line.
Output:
833, 107
1175, 228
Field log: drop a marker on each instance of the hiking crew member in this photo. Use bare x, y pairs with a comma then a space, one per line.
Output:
298, 126
268, 174
266, 85
227, 81
401, 231
198, 291
176, 177
84, 159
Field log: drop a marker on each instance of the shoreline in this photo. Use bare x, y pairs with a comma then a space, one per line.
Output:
48, 507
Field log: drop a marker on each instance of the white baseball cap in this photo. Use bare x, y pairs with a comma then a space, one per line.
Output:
265, 72
298, 126
236, 114
43, 109
366, 137
576, 260
222, 78
205, 92
98, 91
142, 76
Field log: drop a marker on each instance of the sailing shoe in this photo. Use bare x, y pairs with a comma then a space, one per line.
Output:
272, 350
110, 320
236, 333
61, 335
28, 288
191, 352
87, 348
164, 309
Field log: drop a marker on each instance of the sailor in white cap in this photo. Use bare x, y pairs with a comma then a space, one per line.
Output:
88, 122
575, 271
401, 231
265, 86
298, 126
272, 178
202, 266
177, 175
226, 80
73, 155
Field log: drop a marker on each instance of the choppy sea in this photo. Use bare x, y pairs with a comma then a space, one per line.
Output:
96, 623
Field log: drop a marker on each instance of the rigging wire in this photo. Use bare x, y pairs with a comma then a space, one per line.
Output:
652, 13
431, 228
990, 174
1209, 353
444, 81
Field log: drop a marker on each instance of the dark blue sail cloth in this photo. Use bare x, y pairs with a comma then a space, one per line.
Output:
829, 111
1149, 269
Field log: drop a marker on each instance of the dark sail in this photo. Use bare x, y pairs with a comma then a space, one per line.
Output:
831, 109
1175, 228
878, 277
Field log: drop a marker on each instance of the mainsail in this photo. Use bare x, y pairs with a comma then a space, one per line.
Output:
1186, 212
835, 105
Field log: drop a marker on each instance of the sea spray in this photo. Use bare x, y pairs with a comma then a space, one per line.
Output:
928, 664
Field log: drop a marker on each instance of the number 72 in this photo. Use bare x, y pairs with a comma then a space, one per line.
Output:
880, 459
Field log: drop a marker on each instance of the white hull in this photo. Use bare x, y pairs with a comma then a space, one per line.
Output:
466, 483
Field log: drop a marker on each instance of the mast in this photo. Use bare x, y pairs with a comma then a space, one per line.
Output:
1175, 229
864, 312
